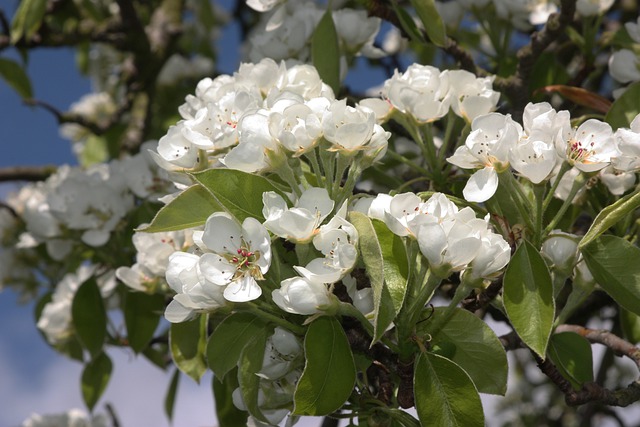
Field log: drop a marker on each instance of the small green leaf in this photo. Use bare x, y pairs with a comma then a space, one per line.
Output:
325, 51
528, 297
630, 325
431, 20
15, 76
473, 346
249, 364
385, 259
239, 193
229, 339
445, 395
89, 316
187, 341
170, 398
625, 108
226, 412
615, 265
27, 19
141, 317
191, 208
95, 377
610, 216
329, 372
571, 354
407, 23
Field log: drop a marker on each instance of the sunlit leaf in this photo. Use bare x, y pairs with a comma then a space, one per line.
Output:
329, 373
473, 346
187, 341
89, 316
615, 265
325, 51
528, 297
15, 76
445, 395
27, 19
625, 108
610, 216
571, 354
95, 377
239, 193
433, 24
191, 208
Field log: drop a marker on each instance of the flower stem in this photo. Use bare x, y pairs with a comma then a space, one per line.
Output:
577, 185
254, 309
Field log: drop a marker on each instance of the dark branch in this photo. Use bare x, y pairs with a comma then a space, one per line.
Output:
593, 392
26, 173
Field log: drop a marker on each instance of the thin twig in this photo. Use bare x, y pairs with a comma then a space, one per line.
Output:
26, 173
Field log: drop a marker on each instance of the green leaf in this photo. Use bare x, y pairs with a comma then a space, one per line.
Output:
571, 354
187, 341
615, 265
249, 364
170, 398
191, 208
229, 339
27, 19
15, 76
431, 20
329, 372
528, 297
89, 316
325, 51
444, 394
95, 377
610, 216
407, 23
630, 325
625, 108
226, 412
94, 150
385, 259
239, 193
473, 346
141, 317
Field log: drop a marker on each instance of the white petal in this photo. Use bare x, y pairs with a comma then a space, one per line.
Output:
242, 290
177, 313
481, 186
222, 233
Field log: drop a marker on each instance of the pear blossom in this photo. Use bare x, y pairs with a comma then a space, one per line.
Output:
487, 147
194, 293
534, 156
152, 257
589, 148
240, 255
561, 249
628, 143
257, 147
362, 298
298, 127
300, 223
593, 7
617, 181
300, 295
406, 212
71, 418
494, 254
337, 241
281, 356
357, 32
471, 96
349, 128
420, 92
624, 66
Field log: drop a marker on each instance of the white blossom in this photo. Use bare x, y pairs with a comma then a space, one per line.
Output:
71, 418
471, 96
589, 148
300, 295
300, 223
487, 147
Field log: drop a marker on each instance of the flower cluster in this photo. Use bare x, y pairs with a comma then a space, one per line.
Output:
274, 39
538, 150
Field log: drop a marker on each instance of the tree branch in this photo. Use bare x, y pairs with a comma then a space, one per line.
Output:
26, 173
593, 392
517, 86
